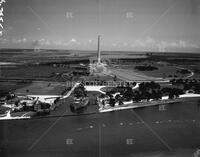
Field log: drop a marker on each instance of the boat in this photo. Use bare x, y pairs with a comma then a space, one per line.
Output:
79, 103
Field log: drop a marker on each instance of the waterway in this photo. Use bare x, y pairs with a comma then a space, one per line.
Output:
149, 131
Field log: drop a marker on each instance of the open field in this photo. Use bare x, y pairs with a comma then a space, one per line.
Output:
30, 65
42, 88
168, 65
6, 87
55, 65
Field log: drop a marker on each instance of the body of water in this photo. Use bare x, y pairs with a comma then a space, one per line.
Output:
150, 131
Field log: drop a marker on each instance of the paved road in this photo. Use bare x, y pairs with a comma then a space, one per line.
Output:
70, 92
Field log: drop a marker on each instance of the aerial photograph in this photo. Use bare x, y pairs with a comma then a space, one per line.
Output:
99, 78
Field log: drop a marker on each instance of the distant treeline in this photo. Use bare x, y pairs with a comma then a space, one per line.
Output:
183, 71
83, 61
146, 68
165, 57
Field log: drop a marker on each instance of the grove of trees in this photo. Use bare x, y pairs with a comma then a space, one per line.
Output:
146, 91
146, 68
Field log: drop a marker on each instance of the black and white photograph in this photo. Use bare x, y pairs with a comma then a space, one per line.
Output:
99, 78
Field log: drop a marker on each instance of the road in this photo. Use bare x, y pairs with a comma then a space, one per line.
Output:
191, 72
70, 92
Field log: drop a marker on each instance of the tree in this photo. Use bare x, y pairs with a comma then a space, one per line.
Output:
134, 84
80, 92
128, 94
136, 96
112, 102
119, 99
115, 78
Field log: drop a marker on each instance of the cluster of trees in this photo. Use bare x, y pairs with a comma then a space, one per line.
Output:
178, 81
187, 84
125, 91
80, 92
183, 71
145, 86
172, 92
146, 68
146, 91
124, 94
172, 75
152, 90
7, 95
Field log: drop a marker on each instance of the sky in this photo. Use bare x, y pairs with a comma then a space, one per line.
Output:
130, 25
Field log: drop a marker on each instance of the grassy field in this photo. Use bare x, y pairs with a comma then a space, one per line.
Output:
39, 66
167, 63
6, 87
32, 71
42, 88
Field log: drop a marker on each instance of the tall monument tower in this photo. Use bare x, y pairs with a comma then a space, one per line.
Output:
98, 68
98, 50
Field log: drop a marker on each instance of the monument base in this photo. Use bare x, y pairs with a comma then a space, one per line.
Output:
98, 69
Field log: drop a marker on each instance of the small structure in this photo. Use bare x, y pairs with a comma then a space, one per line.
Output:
79, 103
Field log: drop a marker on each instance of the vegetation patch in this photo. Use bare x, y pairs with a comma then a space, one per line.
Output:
146, 68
